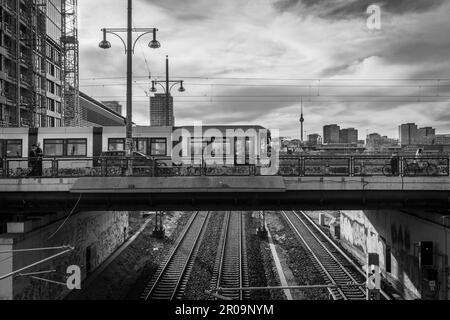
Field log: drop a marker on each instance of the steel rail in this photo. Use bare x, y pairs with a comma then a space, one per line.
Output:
357, 267
167, 279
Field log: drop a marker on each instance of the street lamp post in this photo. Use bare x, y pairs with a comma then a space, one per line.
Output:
129, 46
168, 86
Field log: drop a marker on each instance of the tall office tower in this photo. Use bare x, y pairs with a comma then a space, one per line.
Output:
426, 136
408, 134
158, 111
331, 134
114, 106
31, 63
348, 136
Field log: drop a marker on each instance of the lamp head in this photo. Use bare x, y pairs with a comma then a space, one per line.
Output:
154, 44
153, 89
105, 44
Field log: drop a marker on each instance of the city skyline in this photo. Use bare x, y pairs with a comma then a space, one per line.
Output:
266, 43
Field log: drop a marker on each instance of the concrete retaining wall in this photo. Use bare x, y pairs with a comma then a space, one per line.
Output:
364, 232
101, 233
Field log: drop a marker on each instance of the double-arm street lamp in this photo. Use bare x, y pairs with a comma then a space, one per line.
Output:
168, 85
129, 51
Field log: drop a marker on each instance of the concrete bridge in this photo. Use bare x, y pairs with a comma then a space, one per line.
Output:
223, 193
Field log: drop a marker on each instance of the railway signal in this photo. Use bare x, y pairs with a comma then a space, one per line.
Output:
373, 277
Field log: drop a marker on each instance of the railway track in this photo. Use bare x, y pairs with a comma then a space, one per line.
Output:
171, 278
336, 268
231, 270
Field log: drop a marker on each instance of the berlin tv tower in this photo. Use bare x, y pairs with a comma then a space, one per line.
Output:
302, 121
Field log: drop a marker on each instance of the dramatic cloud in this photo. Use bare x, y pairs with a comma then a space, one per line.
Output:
248, 62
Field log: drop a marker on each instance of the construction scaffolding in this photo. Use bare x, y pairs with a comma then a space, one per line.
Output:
70, 55
38, 67
24, 38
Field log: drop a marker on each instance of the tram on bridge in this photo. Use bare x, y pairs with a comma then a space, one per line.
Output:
72, 149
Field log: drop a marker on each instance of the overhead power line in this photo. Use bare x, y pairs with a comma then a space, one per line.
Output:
279, 79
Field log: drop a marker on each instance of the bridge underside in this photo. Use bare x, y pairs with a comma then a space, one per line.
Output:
220, 193
298, 200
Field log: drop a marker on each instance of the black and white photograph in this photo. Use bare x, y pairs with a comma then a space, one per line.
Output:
225, 158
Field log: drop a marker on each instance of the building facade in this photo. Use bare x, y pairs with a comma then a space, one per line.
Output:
408, 134
314, 139
349, 136
31, 63
442, 139
159, 113
331, 134
426, 136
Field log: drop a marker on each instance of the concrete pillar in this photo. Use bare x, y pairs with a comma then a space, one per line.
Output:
6, 267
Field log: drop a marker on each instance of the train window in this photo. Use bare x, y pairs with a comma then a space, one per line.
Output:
116, 144
77, 147
65, 147
54, 148
14, 148
158, 147
140, 145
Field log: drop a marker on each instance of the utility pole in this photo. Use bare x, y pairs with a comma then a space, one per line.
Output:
167, 93
129, 51
168, 85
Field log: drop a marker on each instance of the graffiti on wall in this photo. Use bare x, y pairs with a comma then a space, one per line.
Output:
354, 232
361, 236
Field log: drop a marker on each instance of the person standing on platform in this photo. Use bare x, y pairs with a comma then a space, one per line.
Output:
32, 161
39, 156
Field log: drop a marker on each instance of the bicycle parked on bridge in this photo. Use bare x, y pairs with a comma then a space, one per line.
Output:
417, 168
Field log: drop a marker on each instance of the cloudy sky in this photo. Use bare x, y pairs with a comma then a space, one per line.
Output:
254, 61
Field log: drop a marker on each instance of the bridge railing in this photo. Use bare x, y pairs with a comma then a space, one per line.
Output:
356, 166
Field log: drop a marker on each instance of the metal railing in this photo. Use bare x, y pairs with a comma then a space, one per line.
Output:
355, 166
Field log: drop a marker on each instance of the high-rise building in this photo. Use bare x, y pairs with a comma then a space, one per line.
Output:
159, 113
409, 134
331, 134
426, 135
314, 139
348, 136
114, 106
31, 86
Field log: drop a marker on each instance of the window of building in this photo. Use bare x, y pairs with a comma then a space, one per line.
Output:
158, 147
54, 148
76, 148
50, 122
116, 144
13, 148
65, 147
140, 145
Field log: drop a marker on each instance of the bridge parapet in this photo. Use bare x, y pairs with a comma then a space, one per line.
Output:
351, 166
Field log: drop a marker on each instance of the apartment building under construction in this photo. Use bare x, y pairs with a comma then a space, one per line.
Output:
38, 63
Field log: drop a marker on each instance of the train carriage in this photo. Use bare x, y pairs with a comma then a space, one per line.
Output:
77, 151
